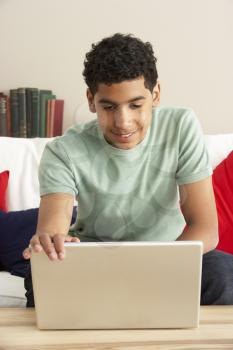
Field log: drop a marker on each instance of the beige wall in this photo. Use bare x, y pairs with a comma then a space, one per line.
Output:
43, 44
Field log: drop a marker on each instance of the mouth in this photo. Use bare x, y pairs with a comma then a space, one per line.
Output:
125, 135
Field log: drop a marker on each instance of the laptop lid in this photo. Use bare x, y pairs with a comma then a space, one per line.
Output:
117, 285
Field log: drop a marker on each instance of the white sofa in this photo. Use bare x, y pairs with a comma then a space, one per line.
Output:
21, 157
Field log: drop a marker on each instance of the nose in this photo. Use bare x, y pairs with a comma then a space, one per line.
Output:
123, 120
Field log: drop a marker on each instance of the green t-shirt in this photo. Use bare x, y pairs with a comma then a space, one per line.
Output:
127, 195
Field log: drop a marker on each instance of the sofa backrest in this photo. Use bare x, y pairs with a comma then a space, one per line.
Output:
22, 156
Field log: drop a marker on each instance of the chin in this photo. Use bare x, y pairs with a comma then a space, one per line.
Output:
126, 146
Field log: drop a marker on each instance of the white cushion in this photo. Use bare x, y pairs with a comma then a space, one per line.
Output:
219, 146
21, 157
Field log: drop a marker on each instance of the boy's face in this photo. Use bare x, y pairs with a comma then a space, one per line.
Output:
124, 111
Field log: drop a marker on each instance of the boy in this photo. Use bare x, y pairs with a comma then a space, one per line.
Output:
139, 171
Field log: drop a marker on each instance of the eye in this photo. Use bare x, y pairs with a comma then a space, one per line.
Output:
135, 106
108, 107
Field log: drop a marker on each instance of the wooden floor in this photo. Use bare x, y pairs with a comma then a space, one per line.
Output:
18, 331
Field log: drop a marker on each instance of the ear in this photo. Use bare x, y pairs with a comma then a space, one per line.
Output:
156, 94
90, 99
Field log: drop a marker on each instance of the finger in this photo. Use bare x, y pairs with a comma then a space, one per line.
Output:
27, 253
69, 238
58, 241
75, 239
35, 244
47, 244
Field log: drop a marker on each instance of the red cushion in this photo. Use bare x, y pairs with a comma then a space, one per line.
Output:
4, 176
223, 190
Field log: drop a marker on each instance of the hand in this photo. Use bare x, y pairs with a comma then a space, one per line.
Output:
53, 246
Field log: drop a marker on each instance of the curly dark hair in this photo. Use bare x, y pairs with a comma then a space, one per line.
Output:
118, 58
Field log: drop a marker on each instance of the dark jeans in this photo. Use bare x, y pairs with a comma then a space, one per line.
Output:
217, 280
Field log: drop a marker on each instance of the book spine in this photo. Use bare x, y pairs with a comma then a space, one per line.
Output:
22, 112
14, 113
52, 117
29, 111
35, 113
48, 118
8, 116
44, 96
58, 117
3, 124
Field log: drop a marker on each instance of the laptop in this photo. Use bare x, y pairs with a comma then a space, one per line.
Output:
119, 285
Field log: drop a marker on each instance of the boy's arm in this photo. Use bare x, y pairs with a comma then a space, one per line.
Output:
198, 207
53, 225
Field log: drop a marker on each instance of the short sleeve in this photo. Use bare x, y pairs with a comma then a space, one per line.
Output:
193, 158
55, 170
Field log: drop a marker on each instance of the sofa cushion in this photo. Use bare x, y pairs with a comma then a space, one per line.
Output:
21, 156
223, 190
16, 230
218, 146
4, 176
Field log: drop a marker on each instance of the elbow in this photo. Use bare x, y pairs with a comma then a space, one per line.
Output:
215, 234
213, 239
213, 244
212, 229
215, 230
216, 240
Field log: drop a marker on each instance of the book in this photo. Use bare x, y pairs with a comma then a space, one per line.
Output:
8, 116
45, 95
29, 112
22, 112
57, 121
3, 121
50, 116
14, 113
35, 113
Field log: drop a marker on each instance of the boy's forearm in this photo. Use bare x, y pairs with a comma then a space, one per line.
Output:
53, 225
55, 214
208, 236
